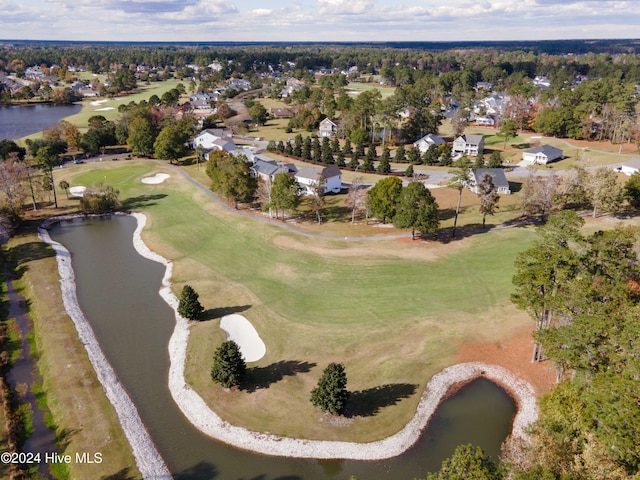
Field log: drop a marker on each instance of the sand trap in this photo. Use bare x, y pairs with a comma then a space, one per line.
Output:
77, 191
97, 102
103, 109
157, 178
241, 331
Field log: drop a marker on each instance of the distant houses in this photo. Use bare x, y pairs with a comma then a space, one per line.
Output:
214, 139
327, 128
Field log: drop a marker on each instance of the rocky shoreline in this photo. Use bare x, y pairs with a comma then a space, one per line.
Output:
204, 419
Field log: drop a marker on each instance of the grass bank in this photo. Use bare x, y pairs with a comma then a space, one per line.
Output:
393, 311
85, 419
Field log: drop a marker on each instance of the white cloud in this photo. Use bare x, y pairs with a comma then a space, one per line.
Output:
345, 7
260, 12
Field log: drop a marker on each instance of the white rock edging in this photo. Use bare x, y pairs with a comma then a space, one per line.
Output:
148, 460
208, 422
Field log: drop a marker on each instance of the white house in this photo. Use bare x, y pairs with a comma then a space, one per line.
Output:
497, 175
630, 167
542, 155
327, 128
214, 139
425, 142
267, 170
308, 178
470, 144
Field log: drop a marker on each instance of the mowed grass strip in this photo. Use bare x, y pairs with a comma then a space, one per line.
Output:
393, 311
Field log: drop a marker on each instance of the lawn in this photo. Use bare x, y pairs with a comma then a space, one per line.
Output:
354, 88
393, 311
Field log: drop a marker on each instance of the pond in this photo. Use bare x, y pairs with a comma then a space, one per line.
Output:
17, 121
118, 292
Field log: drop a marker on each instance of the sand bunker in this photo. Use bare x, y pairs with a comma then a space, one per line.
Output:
104, 109
157, 178
95, 103
77, 191
241, 331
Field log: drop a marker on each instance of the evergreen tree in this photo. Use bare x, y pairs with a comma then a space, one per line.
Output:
335, 145
400, 154
229, 368
409, 171
383, 164
346, 148
430, 157
495, 160
414, 156
340, 159
306, 148
189, 306
331, 394
468, 462
479, 161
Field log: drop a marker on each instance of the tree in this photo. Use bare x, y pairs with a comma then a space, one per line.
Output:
284, 193
400, 156
64, 185
101, 198
468, 462
7, 147
229, 368
189, 306
632, 190
169, 144
47, 158
231, 176
318, 200
495, 160
141, 137
545, 269
383, 164
383, 198
507, 130
409, 171
331, 394
356, 198
258, 113
13, 177
461, 176
489, 197
540, 195
603, 190
417, 209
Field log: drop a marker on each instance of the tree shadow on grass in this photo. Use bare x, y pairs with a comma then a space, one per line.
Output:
63, 438
263, 377
124, 474
366, 403
24, 253
221, 312
140, 201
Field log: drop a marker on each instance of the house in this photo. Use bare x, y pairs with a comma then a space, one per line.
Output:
542, 155
485, 121
282, 112
425, 142
214, 139
308, 178
497, 175
471, 144
327, 128
630, 167
267, 170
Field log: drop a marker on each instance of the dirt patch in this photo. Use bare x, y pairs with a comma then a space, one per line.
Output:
515, 355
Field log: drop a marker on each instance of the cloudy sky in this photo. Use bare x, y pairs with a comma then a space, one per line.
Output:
317, 20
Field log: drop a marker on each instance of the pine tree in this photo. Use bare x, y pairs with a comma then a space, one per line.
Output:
189, 305
400, 154
331, 394
229, 368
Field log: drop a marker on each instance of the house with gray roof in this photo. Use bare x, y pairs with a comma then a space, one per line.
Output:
497, 176
267, 170
308, 178
424, 143
630, 167
542, 155
468, 144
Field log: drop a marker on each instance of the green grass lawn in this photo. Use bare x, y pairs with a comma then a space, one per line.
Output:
354, 88
393, 311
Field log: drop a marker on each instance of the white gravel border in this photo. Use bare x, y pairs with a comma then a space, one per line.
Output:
148, 460
208, 422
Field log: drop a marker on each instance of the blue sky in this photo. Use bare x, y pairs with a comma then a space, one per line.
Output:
317, 20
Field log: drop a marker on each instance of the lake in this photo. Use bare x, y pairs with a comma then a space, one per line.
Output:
17, 121
118, 292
